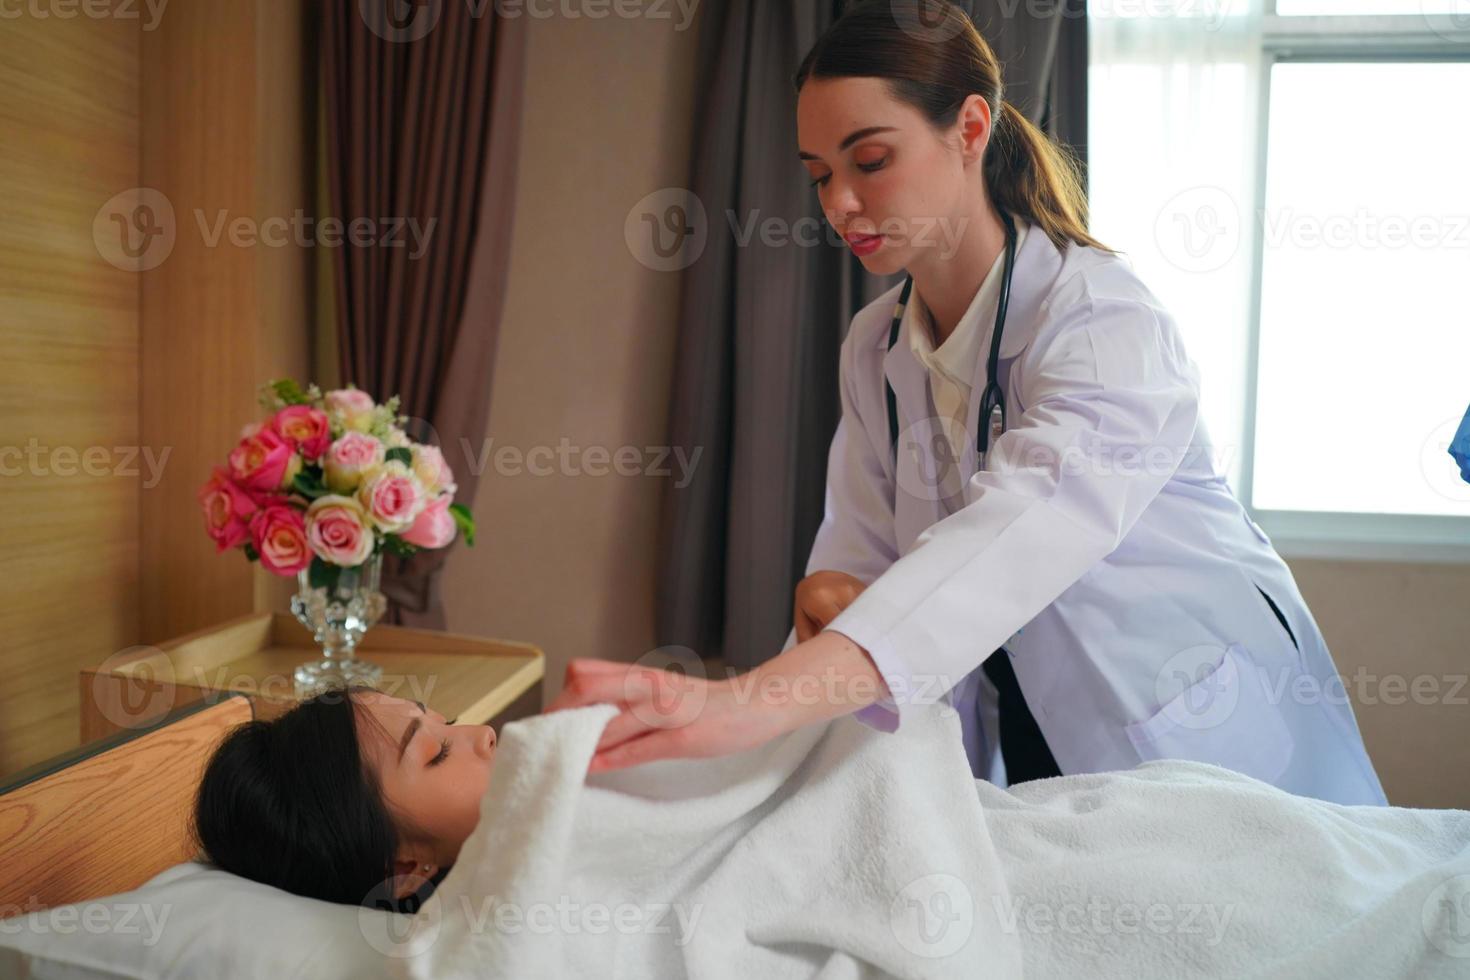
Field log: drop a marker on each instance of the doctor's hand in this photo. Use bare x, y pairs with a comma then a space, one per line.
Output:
666, 714
669, 714
820, 597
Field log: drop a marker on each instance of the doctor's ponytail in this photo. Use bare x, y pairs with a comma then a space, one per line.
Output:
933, 58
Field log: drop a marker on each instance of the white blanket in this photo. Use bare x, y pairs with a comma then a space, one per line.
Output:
840, 852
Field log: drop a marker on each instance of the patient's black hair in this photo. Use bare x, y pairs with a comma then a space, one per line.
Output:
291, 803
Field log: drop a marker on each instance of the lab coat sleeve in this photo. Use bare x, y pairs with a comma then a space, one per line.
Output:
857, 534
1112, 404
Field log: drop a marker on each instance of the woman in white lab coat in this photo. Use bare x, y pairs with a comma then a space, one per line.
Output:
1088, 593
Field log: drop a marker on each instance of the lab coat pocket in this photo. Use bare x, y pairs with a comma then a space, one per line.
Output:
1225, 717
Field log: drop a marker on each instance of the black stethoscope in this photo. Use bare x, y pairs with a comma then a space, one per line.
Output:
992, 401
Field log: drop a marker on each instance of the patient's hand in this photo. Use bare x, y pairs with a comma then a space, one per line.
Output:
820, 597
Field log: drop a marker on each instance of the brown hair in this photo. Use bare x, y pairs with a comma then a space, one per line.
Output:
934, 62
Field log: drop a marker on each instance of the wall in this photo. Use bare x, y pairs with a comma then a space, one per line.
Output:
69, 539
149, 370
1395, 630
566, 561
228, 117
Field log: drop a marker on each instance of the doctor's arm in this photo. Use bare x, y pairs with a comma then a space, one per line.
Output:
1112, 407
668, 714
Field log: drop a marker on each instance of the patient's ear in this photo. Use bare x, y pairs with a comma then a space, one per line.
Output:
411, 874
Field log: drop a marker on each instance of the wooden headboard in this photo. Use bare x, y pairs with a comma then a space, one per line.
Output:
111, 815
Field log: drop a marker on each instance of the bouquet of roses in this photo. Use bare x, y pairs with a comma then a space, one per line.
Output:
328, 481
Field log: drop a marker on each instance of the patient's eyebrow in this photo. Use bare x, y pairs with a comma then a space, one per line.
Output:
413, 726
851, 139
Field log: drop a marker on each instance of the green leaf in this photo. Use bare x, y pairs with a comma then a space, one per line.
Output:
289, 392
308, 483
401, 453
398, 546
322, 574
465, 521
250, 552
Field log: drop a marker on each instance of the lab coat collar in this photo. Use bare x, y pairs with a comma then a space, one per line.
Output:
1037, 263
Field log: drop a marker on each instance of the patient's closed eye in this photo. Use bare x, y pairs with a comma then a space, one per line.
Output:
443, 753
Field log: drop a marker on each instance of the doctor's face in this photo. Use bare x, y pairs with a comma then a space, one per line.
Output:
899, 192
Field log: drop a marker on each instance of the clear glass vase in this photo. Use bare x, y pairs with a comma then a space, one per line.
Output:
338, 605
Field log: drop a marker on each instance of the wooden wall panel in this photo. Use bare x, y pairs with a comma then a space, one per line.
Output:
69, 142
227, 108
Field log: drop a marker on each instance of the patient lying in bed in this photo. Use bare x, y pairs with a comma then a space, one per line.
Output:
833, 851
353, 797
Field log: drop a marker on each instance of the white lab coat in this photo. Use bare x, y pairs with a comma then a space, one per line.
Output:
1100, 546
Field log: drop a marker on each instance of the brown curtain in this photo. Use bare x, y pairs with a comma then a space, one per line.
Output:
423, 116
755, 384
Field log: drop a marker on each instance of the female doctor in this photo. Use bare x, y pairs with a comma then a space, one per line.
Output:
1023, 517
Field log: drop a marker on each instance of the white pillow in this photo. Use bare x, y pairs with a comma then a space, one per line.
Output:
191, 921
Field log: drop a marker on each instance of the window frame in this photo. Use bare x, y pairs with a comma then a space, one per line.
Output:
1333, 534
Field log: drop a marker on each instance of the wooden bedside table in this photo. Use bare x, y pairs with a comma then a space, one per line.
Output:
467, 679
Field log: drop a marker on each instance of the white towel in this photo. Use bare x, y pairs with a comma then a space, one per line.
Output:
835, 852
841, 852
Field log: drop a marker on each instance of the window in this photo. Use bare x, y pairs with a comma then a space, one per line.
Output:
1292, 179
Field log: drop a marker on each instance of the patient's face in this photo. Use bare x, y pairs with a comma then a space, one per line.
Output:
433, 774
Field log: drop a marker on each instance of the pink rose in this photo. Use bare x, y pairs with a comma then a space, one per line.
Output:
431, 469
349, 459
227, 510
392, 497
337, 530
353, 407
435, 527
264, 462
279, 535
306, 429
